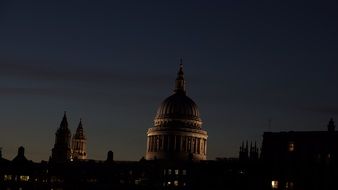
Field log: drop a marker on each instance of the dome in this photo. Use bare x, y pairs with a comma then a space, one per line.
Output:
177, 134
178, 106
178, 110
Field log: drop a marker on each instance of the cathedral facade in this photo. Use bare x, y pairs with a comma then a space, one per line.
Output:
177, 133
67, 149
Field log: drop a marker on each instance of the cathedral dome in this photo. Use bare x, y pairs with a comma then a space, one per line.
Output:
177, 133
178, 106
178, 110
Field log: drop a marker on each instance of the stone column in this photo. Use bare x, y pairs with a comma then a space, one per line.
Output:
189, 144
160, 139
205, 146
157, 143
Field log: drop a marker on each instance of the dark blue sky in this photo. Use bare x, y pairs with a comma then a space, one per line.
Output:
111, 63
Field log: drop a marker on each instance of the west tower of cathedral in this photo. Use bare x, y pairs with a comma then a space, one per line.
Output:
79, 144
62, 151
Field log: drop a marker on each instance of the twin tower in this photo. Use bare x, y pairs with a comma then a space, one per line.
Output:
65, 150
176, 135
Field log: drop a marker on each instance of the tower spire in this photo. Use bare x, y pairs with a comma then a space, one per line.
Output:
80, 123
79, 131
79, 144
64, 122
62, 151
180, 82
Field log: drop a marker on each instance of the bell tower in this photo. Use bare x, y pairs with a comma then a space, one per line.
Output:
62, 151
79, 144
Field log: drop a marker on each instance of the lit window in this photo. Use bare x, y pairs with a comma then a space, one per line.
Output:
169, 182
169, 171
24, 178
91, 180
175, 183
55, 179
274, 184
184, 172
176, 172
7, 177
291, 146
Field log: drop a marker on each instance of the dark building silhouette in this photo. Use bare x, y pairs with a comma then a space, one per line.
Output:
176, 159
21, 155
110, 156
244, 151
312, 146
254, 152
301, 159
246, 154
62, 147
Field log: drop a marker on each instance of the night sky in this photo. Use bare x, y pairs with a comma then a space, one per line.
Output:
112, 63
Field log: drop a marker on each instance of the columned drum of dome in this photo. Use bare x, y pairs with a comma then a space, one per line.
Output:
177, 133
